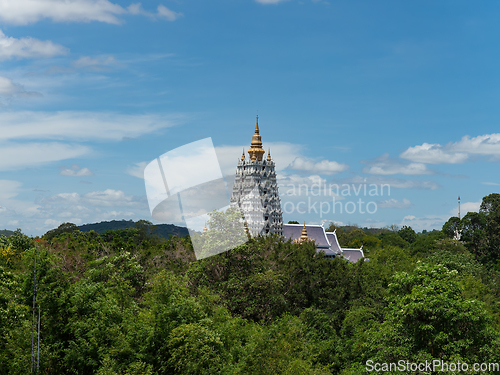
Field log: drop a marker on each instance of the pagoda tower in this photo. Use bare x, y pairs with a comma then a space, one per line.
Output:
255, 190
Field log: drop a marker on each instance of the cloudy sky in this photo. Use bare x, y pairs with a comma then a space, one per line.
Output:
357, 95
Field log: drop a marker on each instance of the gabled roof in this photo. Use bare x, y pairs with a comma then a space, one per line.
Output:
314, 232
353, 255
334, 242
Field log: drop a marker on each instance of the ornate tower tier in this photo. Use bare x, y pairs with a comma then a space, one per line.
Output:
255, 190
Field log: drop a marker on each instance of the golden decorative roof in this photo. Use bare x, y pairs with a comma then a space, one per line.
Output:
304, 233
243, 156
269, 154
256, 151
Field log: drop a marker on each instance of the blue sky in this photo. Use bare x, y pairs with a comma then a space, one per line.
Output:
357, 93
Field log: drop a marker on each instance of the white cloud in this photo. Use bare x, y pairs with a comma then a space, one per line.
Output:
433, 154
20, 155
27, 48
75, 171
13, 209
488, 144
397, 183
9, 189
23, 12
384, 165
322, 167
137, 9
106, 198
78, 125
428, 222
10, 89
93, 62
314, 185
454, 153
53, 223
466, 207
169, 15
49, 212
110, 198
394, 203
137, 170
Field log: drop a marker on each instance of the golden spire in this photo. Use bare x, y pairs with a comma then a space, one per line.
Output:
247, 231
205, 230
256, 151
269, 154
304, 233
243, 156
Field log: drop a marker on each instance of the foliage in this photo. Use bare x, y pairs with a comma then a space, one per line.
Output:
451, 227
129, 302
407, 234
392, 239
63, 228
428, 318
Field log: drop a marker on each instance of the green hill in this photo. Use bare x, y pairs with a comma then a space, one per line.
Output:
6, 232
163, 230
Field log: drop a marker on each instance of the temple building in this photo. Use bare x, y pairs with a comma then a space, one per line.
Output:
255, 193
255, 190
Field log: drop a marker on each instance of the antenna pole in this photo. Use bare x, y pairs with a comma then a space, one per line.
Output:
459, 207
38, 355
33, 326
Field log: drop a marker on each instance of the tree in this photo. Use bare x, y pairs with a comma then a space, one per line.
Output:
63, 228
473, 232
349, 237
195, 349
490, 207
392, 239
393, 228
225, 232
429, 318
293, 222
407, 234
490, 204
145, 229
451, 227
370, 242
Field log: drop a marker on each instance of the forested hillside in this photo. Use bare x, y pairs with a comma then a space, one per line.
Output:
6, 232
131, 302
162, 230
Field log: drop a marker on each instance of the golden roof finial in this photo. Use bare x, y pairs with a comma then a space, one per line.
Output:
304, 233
243, 155
269, 154
256, 151
205, 230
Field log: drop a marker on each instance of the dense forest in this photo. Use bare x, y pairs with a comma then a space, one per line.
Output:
128, 301
162, 230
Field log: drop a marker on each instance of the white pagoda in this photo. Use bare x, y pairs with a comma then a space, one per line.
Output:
255, 190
